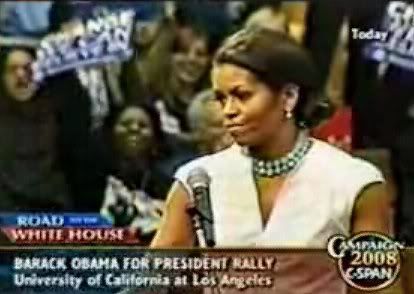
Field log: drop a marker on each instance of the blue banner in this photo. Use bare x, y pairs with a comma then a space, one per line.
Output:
52, 220
102, 40
396, 47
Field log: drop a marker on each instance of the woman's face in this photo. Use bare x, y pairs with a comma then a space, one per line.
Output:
17, 77
133, 132
191, 57
253, 112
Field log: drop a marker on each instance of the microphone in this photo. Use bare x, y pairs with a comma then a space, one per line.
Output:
199, 182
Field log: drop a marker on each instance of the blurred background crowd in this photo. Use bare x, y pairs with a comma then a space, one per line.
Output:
108, 138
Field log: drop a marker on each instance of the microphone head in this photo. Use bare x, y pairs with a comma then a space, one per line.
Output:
198, 178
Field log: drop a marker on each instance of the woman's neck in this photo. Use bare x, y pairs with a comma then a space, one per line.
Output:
280, 144
133, 163
181, 89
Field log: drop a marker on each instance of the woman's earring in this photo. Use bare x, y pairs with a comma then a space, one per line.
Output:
288, 114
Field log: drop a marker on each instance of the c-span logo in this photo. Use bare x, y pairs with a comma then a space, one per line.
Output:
367, 261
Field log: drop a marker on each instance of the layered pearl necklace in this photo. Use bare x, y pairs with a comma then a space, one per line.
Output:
277, 167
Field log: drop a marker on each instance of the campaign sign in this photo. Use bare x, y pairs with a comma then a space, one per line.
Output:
104, 39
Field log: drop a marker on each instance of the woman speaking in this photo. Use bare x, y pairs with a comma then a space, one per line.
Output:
275, 186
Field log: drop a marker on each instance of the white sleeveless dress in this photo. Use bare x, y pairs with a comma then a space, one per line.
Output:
315, 203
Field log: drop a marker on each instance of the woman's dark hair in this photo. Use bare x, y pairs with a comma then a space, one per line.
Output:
208, 19
277, 60
60, 13
4, 53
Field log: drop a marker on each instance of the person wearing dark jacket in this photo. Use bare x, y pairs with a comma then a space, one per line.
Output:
379, 86
139, 171
377, 90
84, 101
31, 177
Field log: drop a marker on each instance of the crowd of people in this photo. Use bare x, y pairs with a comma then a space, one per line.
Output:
109, 138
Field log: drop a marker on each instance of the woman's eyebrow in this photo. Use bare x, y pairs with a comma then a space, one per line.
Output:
236, 90
218, 93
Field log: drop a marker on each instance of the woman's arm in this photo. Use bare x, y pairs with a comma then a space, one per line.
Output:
176, 228
372, 210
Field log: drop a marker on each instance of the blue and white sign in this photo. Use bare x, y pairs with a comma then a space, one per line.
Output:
104, 39
398, 47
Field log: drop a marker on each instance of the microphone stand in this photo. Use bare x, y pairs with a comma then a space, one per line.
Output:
201, 239
198, 228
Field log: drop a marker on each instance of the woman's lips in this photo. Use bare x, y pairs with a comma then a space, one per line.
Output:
236, 128
132, 140
188, 71
189, 75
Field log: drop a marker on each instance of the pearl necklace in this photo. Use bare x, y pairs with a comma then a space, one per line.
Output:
277, 167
